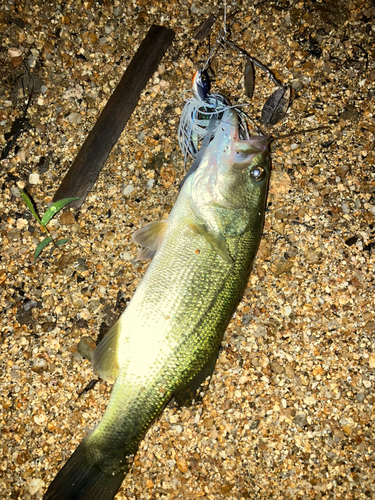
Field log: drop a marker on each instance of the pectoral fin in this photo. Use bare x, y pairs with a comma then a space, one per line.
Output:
214, 238
104, 359
151, 237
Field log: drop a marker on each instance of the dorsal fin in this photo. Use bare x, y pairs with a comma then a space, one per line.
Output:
104, 359
151, 237
214, 238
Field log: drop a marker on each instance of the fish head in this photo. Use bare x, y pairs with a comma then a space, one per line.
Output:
232, 178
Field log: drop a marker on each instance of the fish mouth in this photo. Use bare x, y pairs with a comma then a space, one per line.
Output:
245, 152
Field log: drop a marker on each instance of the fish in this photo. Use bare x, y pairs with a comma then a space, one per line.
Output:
166, 342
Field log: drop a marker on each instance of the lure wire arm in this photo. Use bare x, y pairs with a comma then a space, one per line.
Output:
255, 61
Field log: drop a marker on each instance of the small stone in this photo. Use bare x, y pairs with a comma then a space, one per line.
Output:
182, 465
65, 260
82, 265
289, 371
265, 250
279, 227
283, 266
15, 192
261, 331
370, 326
36, 485
280, 184
67, 218
128, 189
39, 365
74, 92
75, 118
309, 400
287, 311
14, 234
301, 420
78, 302
14, 52
34, 178
318, 370
281, 214
85, 314
276, 367
311, 255
371, 360
350, 113
15, 62
226, 488
86, 347
40, 419
347, 429
360, 397
337, 435
208, 423
255, 424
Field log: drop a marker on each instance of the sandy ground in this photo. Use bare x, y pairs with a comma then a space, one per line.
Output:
289, 411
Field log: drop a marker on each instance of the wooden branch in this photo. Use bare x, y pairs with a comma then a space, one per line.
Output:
85, 169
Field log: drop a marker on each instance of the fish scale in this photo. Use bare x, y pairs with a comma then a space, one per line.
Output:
167, 340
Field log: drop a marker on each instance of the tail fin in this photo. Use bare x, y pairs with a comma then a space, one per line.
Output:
81, 480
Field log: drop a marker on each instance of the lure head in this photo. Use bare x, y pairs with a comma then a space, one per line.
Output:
230, 185
200, 85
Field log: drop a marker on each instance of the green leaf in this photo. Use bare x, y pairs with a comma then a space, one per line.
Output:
62, 241
29, 204
41, 246
56, 207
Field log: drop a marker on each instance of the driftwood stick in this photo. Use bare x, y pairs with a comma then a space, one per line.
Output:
85, 169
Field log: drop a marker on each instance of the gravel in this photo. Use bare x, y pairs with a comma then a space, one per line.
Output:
289, 410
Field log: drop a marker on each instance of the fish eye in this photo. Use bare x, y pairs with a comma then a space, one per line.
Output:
257, 173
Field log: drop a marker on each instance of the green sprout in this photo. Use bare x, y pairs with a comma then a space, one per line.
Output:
51, 212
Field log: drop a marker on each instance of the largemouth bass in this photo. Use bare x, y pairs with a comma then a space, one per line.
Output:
167, 340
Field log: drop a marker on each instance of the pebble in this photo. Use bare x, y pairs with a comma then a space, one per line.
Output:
276, 367
67, 218
86, 347
128, 189
300, 419
39, 365
85, 314
36, 485
283, 266
75, 118
182, 465
34, 178
14, 234
360, 397
14, 52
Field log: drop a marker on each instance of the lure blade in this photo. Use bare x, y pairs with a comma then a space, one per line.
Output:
200, 85
249, 78
276, 106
